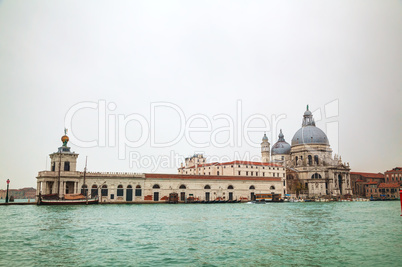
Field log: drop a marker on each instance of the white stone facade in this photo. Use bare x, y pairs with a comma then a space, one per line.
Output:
221, 184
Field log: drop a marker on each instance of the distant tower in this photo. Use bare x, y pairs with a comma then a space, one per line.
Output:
64, 158
265, 149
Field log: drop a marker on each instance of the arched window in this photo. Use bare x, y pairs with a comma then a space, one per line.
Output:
84, 189
156, 186
230, 187
104, 191
272, 187
182, 186
316, 159
138, 191
207, 187
316, 176
310, 160
297, 158
120, 191
94, 190
252, 187
129, 186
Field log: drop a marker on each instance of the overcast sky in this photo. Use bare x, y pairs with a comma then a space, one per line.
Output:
88, 64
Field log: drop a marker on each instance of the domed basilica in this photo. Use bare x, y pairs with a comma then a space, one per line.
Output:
310, 167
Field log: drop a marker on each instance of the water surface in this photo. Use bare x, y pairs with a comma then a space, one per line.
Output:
275, 234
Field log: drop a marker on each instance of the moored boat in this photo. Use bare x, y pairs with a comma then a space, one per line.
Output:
68, 199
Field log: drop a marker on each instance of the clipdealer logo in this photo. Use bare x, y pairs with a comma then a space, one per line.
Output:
112, 127
113, 130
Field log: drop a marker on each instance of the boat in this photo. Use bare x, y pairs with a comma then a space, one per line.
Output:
68, 199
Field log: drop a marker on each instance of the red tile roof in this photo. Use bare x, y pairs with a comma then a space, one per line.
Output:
210, 177
395, 170
359, 181
368, 174
236, 162
371, 182
389, 185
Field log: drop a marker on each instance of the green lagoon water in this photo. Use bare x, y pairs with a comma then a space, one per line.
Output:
275, 234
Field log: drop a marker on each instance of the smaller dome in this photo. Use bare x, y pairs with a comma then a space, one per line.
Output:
281, 147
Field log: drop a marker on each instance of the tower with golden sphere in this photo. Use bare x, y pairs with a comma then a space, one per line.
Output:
64, 160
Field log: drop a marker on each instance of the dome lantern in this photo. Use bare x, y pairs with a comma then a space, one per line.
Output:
309, 133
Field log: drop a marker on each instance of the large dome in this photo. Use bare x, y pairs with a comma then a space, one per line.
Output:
280, 147
308, 133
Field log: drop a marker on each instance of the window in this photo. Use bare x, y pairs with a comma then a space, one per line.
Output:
156, 186
217, 173
84, 189
252, 187
104, 191
310, 160
246, 173
239, 172
182, 186
256, 173
272, 187
138, 191
120, 191
67, 166
316, 159
230, 187
53, 166
251, 173
94, 190
316, 176
263, 174
207, 187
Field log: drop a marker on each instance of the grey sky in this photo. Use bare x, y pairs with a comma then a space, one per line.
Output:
202, 56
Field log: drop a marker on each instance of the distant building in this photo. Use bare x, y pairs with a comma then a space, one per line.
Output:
311, 168
394, 175
361, 180
196, 165
376, 185
236, 180
24, 193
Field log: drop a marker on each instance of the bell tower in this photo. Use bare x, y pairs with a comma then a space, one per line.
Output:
265, 157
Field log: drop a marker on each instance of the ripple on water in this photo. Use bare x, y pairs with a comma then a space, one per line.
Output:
314, 234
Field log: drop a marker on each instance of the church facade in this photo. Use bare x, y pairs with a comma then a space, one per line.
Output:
311, 169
